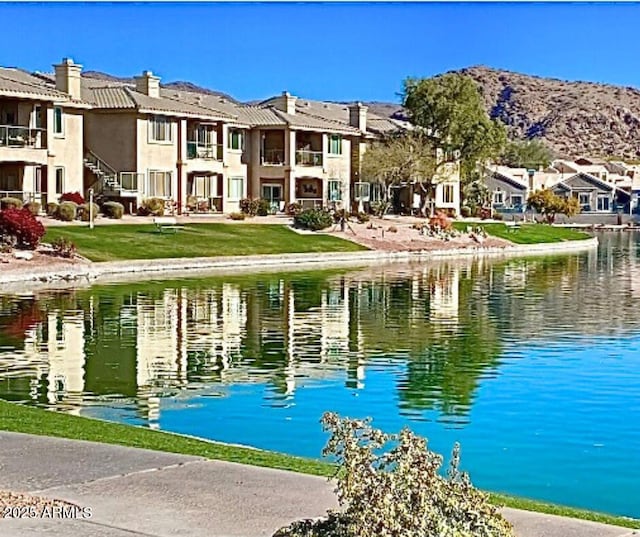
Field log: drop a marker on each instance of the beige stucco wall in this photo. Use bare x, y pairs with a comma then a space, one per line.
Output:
235, 165
112, 137
66, 150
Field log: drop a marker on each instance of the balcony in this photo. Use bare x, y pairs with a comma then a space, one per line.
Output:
273, 157
204, 150
21, 137
306, 157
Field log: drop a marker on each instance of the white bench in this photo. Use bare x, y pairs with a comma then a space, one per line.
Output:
167, 224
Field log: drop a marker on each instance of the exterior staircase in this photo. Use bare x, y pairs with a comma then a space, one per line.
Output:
107, 178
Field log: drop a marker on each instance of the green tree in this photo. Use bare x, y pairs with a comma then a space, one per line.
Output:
449, 108
549, 204
526, 154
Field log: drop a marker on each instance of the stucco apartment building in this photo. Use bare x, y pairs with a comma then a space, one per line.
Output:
200, 152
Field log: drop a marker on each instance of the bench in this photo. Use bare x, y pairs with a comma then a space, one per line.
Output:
167, 224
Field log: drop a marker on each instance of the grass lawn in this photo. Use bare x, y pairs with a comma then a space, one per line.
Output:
143, 241
23, 419
527, 233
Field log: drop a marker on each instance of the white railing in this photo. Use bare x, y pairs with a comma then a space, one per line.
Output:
20, 137
306, 157
272, 156
21, 194
310, 203
204, 150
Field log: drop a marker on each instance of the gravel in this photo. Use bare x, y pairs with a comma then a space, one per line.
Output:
18, 505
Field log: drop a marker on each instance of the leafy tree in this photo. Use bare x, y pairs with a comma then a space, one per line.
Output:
549, 204
476, 195
449, 108
526, 154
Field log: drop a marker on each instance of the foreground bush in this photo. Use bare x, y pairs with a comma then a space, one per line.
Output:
440, 221
20, 228
397, 493
313, 219
84, 212
113, 209
52, 209
293, 209
63, 247
238, 216
67, 211
75, 197
152, 206
249, 206
264, 207
11, 203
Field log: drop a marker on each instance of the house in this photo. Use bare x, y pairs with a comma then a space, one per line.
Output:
41, 133
509, 188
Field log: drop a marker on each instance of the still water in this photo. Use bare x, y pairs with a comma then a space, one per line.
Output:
533, 365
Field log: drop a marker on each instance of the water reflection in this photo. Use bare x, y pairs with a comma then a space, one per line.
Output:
520, 348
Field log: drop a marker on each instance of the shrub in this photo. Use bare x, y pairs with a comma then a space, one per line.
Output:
249, 206
440, 221
113, 209
84, 214
67, 211
63, 247
380, 208
238, 216
392, 229
293, 209
484, 213
11, 203
465, 212
399, 492
152, 206
362, 218
498, 216
313, 219
33, 207
52, 209
264, 207
20, 227
549, 204
75, 197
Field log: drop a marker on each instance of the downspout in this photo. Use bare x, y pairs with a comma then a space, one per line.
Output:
179, 166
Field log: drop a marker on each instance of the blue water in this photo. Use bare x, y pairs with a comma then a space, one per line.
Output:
532, 365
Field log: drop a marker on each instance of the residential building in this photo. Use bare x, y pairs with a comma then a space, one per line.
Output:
41, 133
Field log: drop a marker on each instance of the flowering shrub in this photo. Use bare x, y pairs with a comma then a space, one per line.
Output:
249, 206
440, 221
293, 209
399, 492
63, 247
75, 197
20, 227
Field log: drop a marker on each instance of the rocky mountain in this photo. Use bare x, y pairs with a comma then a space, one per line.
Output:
572, 118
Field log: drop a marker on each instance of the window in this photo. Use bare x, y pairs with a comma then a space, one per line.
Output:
59, 180
603, 203
335, 190
516, 200
236, 188
584, 199
335, 144
58, 125
204, 186
37, 180
447, 194
37, 116
159, 129
361, 191
159, 184
273, 193
236, 139
498, 198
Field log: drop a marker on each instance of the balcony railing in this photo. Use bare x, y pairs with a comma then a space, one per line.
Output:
305, 157
204, 150
15, 136
273, 156
20, 194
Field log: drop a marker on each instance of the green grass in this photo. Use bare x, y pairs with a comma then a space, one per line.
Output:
527, 233
143, 241
23, 419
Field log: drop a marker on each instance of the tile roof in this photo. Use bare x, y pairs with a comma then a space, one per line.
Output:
18, 82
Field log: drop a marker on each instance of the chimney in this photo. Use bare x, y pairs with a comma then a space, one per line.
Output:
148, 84
68, 78
286, 103
358, 116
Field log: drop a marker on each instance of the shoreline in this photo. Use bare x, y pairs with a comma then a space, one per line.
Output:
83, 273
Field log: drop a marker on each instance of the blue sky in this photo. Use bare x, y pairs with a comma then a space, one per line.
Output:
326, 51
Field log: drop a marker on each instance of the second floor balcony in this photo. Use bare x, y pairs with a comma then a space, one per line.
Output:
204, 150
15, 136
307, 157
272, 157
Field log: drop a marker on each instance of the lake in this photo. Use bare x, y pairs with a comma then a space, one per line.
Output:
532, 364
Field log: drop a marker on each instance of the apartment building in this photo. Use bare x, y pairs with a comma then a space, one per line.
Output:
41, 133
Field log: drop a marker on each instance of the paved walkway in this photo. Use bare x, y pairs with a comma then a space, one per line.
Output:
140, 493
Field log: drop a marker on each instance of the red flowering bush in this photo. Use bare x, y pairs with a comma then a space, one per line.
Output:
20, 227
75, 197
440, 220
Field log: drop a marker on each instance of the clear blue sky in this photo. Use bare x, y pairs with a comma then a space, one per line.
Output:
325, 51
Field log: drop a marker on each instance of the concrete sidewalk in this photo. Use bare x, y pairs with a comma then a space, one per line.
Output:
134, 492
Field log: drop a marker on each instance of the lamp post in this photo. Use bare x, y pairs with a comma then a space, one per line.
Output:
91, 215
